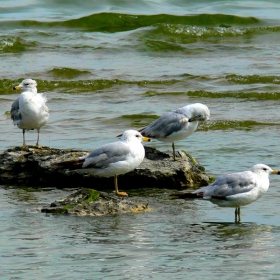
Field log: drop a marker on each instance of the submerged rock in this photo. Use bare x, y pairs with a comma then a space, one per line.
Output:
93, 203
32, 166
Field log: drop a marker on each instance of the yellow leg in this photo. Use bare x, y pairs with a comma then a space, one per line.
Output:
117, 189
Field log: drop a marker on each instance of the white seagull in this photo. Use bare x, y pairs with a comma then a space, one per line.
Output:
111, 159
236, 189
177, 125
29, 111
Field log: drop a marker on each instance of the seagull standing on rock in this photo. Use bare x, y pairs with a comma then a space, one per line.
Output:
29, 111
112, 159
177, 125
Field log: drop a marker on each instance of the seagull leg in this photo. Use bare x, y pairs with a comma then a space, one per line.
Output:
237, 215
23, 135
117, 189
173, 147
174, 157
37, 144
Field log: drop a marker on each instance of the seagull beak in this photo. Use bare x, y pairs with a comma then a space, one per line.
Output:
146, 139
275, 172
16, 87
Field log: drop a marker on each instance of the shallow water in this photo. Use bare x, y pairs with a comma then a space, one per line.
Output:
117, 65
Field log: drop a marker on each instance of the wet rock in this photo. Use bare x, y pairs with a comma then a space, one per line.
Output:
89, 202
32, 166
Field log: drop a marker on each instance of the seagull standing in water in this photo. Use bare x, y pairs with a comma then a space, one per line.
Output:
29, 111
177, 125
111, 159
236, 189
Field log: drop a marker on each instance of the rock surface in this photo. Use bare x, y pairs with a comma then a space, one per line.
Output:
93, 203
32, 166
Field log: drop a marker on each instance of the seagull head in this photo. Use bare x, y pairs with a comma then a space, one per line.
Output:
133, 136
262, 169
197, 112
27, 85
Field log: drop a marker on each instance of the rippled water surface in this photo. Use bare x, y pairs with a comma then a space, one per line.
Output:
121, 64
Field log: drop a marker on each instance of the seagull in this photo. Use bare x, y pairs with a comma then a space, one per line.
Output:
111, 159
177, 125
236, 189
29, 111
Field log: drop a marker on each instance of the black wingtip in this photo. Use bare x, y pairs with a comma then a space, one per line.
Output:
185, 195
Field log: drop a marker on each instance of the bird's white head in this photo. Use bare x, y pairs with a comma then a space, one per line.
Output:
197, 112
133, 136
262, 169
27, 85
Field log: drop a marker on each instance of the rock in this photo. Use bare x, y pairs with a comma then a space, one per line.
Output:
32, 166
93, 203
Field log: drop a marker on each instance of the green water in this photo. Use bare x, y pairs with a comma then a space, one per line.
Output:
106, 67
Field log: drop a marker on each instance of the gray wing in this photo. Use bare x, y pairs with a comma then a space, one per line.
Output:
167, 124
15, 112
230, 184
107, 154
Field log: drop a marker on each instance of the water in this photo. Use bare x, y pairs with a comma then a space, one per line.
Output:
117, 65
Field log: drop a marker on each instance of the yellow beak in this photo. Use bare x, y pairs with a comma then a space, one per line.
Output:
275, 172
146, 139
16, 88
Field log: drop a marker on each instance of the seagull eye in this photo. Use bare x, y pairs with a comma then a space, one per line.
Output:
26, 84
264, 169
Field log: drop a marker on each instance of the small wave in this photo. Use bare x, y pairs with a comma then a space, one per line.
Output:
15, 45
233, 125
253, 79
151, 93
135, 120
245, 95
68, 73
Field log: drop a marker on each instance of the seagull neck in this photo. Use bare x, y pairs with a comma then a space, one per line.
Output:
33, 90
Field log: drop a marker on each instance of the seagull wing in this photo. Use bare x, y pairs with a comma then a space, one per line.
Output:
229, 185
15, 111
107, 154
167, 124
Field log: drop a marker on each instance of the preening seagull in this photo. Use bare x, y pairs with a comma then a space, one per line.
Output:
177, 125
111, 159
236, 189
29, 111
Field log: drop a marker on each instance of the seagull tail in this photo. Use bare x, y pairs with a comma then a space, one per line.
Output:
69, 164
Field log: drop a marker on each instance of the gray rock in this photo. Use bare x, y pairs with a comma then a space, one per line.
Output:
88, 202
32, 166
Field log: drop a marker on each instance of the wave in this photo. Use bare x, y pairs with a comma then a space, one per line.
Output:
76, 86
114, 22
71, 80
